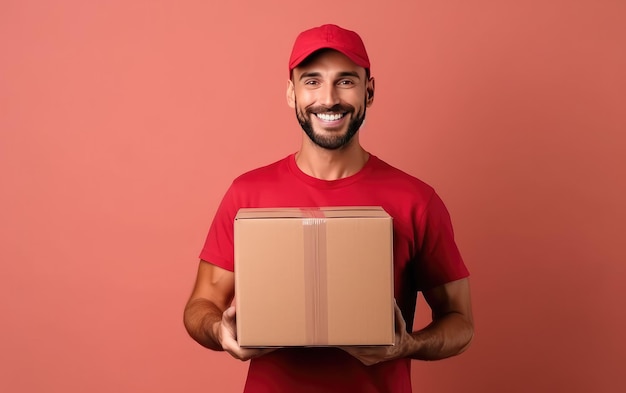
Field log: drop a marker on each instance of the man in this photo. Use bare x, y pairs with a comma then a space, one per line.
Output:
330, 88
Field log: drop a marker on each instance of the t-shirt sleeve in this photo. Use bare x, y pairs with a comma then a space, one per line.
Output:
219, 244
439, 260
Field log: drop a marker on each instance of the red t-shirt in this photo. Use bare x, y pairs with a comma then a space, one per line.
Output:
425, 256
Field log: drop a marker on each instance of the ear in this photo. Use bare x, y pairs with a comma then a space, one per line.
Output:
370, 92
291, 95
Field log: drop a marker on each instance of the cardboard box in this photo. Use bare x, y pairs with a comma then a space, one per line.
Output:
314, 277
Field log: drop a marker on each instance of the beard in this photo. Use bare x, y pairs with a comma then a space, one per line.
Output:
330, 142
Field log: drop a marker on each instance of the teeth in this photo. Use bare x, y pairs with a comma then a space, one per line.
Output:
329, 116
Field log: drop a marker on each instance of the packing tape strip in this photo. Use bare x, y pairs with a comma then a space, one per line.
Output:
315, 276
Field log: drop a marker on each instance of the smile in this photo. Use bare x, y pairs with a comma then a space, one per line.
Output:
330, 116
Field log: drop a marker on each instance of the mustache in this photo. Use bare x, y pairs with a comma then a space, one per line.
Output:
335, 108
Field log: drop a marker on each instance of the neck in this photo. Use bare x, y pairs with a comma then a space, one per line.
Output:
331, 164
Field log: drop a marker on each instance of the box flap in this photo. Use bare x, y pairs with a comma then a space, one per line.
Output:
319, 212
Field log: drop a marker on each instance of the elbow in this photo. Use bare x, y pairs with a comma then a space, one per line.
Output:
466, 337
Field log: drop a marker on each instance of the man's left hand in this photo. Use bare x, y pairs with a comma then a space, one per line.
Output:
370, 355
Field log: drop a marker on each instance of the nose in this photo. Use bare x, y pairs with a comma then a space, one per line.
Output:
328, 95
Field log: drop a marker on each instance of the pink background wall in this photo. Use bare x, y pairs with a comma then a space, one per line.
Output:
123, 122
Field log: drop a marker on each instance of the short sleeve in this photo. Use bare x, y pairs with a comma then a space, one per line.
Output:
438, 260
219, 244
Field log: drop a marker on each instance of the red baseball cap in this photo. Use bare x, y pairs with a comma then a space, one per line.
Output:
329, 37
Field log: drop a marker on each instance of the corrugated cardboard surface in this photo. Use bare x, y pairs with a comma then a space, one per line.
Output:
314, 277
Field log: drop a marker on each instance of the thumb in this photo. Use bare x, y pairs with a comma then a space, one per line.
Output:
229, 314
400, 322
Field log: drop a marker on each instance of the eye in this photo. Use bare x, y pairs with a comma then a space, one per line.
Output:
346, 83
311, 82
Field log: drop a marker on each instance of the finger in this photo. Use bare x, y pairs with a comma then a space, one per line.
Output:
231, 346
229, 314
400, 322
229, 322
229, 341
251, 353
263, 351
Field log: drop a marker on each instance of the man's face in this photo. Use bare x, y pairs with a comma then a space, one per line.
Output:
330, 94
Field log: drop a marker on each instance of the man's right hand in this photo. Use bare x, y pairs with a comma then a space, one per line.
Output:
227, 333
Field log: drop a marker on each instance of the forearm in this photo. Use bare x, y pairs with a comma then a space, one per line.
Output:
202, 318
446, 336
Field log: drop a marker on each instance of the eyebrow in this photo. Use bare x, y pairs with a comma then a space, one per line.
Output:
343, 74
